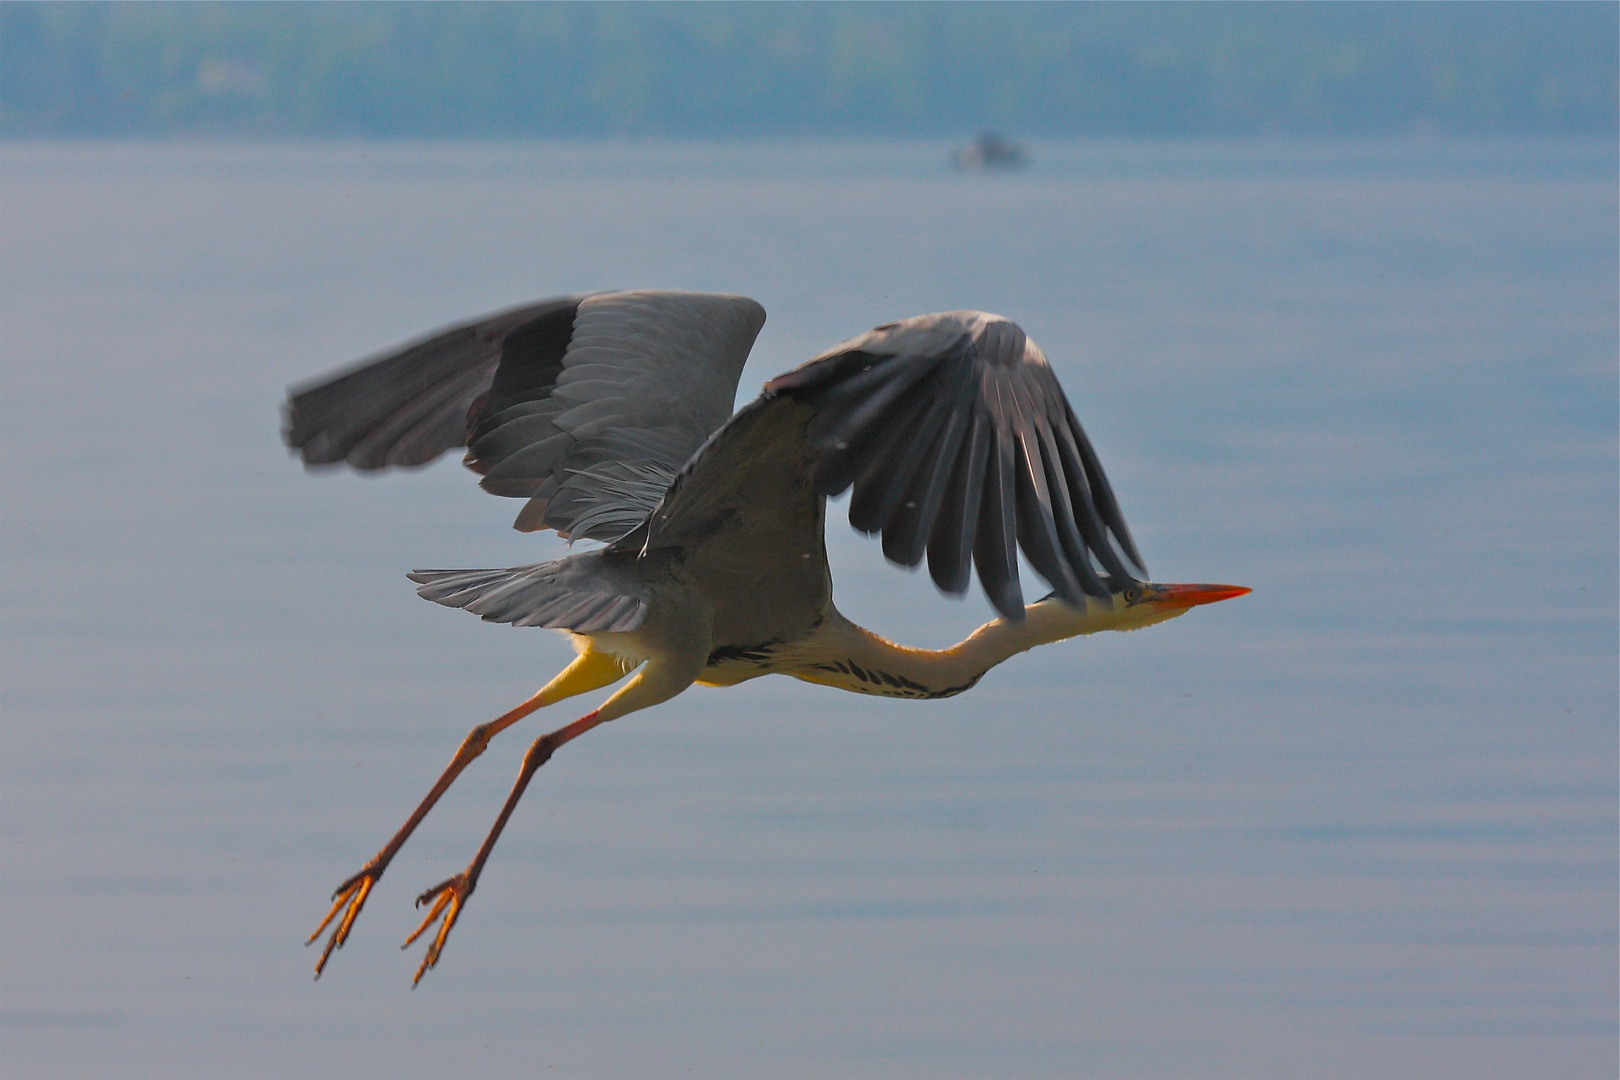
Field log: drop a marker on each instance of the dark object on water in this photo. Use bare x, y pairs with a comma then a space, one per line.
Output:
989, 151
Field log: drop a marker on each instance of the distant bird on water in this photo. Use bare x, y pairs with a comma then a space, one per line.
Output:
610, 413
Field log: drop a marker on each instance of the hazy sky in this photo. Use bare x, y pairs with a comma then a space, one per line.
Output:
582, 70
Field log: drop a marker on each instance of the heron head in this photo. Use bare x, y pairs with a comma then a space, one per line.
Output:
1143, 603
1133, 605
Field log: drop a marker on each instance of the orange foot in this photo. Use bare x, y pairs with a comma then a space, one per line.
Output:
348, 898
448, 899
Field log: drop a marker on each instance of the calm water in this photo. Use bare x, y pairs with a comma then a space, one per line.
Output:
1360, 823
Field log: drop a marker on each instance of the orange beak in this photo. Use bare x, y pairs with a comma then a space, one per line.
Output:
1186, 596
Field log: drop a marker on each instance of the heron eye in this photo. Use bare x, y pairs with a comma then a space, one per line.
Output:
1132, 595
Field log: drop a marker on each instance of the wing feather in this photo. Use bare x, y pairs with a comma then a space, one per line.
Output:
580, 593
1063, 514
870, 506
607, 413
958, 441
995, 548
409, 406
894, 498
572, 404
950, 550
907, 542
1107, 505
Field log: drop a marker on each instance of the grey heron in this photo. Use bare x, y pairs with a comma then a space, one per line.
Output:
610, 415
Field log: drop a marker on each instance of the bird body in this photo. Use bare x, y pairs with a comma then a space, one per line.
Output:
608, 414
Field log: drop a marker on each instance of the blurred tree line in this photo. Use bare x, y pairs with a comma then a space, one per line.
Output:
704, 69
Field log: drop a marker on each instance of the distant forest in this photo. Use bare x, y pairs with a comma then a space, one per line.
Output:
475, 70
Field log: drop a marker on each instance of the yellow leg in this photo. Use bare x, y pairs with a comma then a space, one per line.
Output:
589, 671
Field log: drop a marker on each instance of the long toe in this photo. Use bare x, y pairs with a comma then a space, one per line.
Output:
349, 898
448, 899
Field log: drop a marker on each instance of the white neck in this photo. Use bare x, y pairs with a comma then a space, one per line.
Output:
851, 657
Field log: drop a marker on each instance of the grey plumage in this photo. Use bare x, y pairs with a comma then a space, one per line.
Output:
565, 594
410, 406
608, 413
575, 404
645, 377
958, 441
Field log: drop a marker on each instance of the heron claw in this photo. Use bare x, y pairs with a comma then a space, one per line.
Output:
448, 898
347, 898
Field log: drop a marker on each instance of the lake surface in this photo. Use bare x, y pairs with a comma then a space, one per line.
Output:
1359, 823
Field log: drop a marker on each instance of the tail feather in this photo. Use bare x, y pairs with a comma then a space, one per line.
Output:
544, 594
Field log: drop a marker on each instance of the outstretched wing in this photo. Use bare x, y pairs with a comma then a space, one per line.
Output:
958, 442
410, 406
586, 406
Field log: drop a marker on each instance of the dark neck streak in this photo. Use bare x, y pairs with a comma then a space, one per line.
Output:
851, 657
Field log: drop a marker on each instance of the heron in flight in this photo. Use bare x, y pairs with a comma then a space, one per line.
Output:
610, 414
